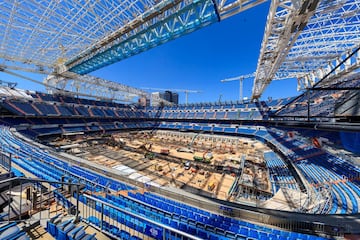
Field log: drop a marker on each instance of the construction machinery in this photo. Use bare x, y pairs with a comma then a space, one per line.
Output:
211, 186
165, 151
158, 167
149, 155
198, 159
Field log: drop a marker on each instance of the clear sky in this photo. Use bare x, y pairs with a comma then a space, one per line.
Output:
198, 61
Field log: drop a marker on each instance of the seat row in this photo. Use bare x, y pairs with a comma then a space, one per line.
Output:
39, 163
62, 229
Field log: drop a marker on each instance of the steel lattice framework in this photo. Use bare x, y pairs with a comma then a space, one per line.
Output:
160, 24
306, 39
303, 39
53, 37
42, 35
91, 86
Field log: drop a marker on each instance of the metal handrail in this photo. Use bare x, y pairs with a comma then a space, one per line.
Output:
141, 217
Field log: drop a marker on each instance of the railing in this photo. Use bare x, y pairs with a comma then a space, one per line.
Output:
107, 219
33, 199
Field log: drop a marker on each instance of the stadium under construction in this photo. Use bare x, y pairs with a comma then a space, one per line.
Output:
92, 159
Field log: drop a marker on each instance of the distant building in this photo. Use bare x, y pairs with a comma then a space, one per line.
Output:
155, 99
168, 96
175, 98
171, 97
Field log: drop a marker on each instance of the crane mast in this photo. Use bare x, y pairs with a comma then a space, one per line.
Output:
240, 79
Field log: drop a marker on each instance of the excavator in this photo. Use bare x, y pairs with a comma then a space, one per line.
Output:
147, 147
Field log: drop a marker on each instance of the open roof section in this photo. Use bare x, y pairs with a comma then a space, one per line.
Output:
47, 35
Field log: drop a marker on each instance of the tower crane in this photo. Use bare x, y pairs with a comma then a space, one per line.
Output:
240, 79
186, 91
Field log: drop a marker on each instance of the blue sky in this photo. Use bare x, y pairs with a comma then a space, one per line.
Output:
198, 61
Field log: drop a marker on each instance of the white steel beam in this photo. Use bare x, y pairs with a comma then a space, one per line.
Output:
90, 86
285, 21
24, 68
350, 64
228, 8
331, 34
